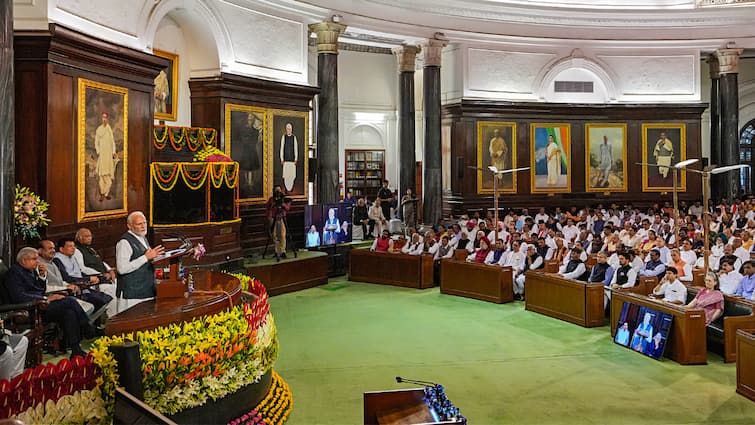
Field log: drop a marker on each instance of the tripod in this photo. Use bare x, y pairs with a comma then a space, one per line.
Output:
270, 232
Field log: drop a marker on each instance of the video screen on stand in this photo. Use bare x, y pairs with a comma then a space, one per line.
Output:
643, 329
328, 224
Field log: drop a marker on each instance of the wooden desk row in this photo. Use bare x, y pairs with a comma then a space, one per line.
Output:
409, 271
566, 299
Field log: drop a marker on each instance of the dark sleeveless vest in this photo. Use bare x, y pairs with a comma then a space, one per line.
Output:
599, 272
622, 274
288, 150
443, 250
497, 255
532, 259
141, 282
91, 258
651, 265
572, 265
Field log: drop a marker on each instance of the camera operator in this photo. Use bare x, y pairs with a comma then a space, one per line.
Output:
275, 211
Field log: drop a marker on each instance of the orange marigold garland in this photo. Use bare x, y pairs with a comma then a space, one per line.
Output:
274, 409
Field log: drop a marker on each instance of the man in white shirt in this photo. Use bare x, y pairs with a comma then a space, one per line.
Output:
515, 259
728, 278
570, 232
670, 288
625, 276
541, 216
739, 251
575, 267
133, 255
445, 250
688, 255
415, 246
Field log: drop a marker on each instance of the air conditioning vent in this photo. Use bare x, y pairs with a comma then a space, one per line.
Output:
573, 87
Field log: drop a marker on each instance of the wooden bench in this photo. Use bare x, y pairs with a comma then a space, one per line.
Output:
566, 299
409, 271
686, 341
479, 281
746, 363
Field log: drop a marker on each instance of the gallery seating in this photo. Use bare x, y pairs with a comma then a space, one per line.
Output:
24, 318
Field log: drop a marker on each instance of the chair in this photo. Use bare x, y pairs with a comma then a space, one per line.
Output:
23, 318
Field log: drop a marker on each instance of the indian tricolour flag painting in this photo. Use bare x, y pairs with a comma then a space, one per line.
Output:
551, 146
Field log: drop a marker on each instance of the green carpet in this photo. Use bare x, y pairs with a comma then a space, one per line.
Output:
499, 363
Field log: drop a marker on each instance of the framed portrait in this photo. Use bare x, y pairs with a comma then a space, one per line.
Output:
290, 139
496, 146
550, 147
606, 157
102, 147
663, 144
166, 88
245, 143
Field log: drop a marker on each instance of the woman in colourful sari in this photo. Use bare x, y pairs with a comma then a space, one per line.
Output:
710, 299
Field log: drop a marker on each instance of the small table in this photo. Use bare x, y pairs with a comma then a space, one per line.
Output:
746, 363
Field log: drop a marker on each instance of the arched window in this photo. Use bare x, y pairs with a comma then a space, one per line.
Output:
746, 147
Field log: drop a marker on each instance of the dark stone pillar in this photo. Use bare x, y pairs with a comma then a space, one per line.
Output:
7, 129
729, 103
327, 110
433, 184
715, 126
407, 149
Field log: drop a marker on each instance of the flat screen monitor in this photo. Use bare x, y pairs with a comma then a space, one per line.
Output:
328, 224
643, 329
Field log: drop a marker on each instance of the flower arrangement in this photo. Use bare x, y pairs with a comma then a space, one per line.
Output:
199, 251
29, 213
274, 409
66, 392
185, 365
436, 399
211, 154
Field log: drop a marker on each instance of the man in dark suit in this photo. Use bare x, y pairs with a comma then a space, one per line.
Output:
26, 282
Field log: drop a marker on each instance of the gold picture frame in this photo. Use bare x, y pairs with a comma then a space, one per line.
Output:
658, 179
102, 151
166, 104
488, 135
614, 178
245, 145
543, 179
298, 187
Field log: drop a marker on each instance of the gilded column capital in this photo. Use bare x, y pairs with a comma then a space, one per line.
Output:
728, 60
433, 48
327, 36
407, 57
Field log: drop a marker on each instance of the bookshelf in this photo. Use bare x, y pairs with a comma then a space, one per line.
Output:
365, 171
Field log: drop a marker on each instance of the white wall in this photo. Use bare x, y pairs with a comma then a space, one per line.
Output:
367, 97
171, 38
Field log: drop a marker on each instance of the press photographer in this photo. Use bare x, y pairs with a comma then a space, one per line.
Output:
275, 212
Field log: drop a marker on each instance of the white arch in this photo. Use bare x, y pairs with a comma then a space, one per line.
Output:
548, 75
205, 14
370, 129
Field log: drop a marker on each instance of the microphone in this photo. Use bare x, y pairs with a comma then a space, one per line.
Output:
416, 382
185, 242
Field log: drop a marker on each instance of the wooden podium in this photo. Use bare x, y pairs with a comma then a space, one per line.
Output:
172, 286
398, 407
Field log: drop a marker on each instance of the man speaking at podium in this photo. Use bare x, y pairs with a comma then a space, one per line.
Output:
136, 275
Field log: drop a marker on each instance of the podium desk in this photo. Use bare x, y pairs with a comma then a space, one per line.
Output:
686, 342
479, 281
570, 300
398, 407
746, 363
212, 296
409, 271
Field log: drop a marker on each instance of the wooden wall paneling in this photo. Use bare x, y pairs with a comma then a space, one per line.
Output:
52, 61
467, 112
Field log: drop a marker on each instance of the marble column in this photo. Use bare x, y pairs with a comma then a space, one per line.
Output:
728, 60
7, 133
432, 204
715, 125
327, 110
407, 167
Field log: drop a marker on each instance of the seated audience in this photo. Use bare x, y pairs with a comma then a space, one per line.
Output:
26, 281
445, 250
482, 252
533, 261
687, 253
624, 277
361, 217
655, 266
382, 244
710, 299
71, 273
601, 272
746, 286
414, 247
683, 270
89, 260
670, 288
728, 278
574, 268
495, 255
515, 258
55, 282
12, 353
